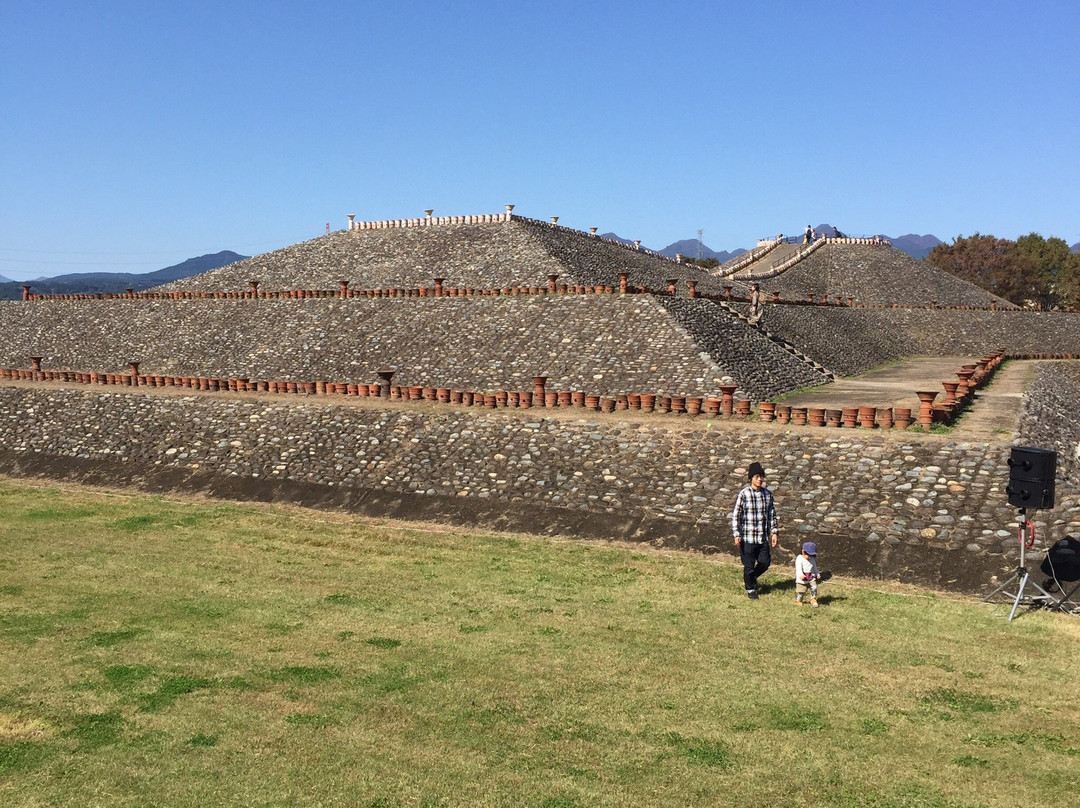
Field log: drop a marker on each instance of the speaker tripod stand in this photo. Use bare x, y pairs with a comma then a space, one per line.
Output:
1022, 578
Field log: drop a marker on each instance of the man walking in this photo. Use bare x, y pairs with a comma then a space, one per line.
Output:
753, 522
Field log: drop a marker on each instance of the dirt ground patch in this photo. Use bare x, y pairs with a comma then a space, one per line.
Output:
992, 416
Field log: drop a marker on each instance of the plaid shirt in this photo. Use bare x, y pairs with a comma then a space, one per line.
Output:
754, 517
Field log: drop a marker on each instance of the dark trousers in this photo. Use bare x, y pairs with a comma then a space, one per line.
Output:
756, 558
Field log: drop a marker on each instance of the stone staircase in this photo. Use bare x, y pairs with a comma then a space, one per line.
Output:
778, 340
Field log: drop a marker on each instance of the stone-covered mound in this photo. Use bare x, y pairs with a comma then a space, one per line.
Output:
852, 340
525, 252
603, 344
875, 274
519, 252
1050, 417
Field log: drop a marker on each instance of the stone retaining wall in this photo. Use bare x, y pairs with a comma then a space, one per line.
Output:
603, 344
877, 274
851, 341
1051, 416
918, 508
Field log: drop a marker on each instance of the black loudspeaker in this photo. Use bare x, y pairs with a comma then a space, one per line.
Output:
1031, 477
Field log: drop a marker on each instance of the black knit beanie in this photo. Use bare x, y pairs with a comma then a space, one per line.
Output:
755, 468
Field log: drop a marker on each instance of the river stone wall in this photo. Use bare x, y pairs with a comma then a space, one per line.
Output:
524, 252
852, 340
520, 252
747, 353
1051, 416
602, 344
920, 509
876, 274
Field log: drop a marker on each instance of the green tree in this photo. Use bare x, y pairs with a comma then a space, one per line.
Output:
1067, 283
994, 264
1051, 259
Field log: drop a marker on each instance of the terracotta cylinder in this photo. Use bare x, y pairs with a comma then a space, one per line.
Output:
648, 402
694, 405
513, 398
885, 417
622, 402
727, 399
577, 398
798, 416
950, 392
430, 393
607, 404
551, 399
566, 398
833, 417
663, 404
868, 417
742, 408
850, 417
678, 404
712, 406
902, 417
539, 382
525, 400
926, 407
783, 413
815, 416
633, 401
767, 411
592, 402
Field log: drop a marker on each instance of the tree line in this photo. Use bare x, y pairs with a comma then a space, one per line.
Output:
1032, 271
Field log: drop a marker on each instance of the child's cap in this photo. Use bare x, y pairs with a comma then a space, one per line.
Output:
755, 468
809, 548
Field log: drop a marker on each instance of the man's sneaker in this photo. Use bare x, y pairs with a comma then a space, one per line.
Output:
752, 595
813, 602
800, 602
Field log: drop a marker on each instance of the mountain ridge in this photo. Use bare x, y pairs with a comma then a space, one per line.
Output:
113, 282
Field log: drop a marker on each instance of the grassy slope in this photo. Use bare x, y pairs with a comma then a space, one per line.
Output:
173, 653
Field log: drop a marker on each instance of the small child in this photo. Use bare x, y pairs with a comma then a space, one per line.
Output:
806, 574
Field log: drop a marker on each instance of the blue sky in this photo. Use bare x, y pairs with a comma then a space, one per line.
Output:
134, 135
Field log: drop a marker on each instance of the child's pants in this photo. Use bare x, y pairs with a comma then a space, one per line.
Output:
802, 587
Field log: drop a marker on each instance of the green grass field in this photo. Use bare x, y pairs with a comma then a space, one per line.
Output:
162, 652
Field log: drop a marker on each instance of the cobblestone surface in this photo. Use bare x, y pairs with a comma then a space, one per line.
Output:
876, 274
850, 341
866, 497
604, 344
1050, 419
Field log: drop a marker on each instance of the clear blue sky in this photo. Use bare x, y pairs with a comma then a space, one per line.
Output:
134, 135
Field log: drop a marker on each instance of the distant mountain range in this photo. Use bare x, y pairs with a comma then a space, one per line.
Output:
113, 282
914, 245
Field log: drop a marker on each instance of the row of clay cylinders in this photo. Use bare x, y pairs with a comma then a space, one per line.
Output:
343, 291
810, 298
846, 417
958, 393
539, 396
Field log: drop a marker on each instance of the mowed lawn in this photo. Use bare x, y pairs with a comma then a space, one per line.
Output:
165, 652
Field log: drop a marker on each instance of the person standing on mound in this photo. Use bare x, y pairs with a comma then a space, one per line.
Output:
756, 530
